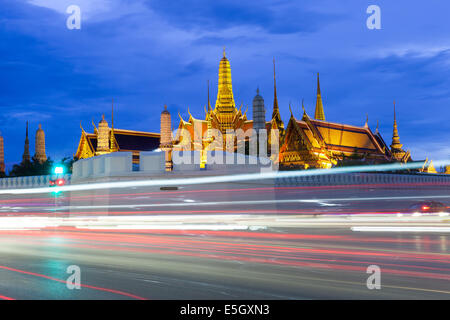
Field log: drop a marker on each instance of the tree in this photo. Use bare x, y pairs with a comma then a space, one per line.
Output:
32, 168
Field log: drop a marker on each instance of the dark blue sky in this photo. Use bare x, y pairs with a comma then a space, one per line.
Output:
148, 53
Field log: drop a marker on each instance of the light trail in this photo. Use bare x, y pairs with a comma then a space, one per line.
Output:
64, 281
401, 229
247, 202
223, 179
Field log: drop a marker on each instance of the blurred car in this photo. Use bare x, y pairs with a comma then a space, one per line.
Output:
428, 207
57, 182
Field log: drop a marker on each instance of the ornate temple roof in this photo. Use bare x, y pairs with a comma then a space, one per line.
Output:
338, 137
127, 140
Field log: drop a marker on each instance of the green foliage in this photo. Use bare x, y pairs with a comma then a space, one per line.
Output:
67, 162
31, 168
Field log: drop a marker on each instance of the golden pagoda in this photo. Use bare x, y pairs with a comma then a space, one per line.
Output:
396, 147
222, 122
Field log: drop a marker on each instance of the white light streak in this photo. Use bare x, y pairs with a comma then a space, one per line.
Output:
222, 179
401, 229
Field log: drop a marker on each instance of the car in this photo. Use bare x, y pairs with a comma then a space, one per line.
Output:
428, 207
57, 182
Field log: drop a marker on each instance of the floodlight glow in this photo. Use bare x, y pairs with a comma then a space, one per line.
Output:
58, 170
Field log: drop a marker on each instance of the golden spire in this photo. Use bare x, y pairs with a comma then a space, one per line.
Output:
319, 114
112, 138
112, 114
224, 55
395, 137
26, 151
95, 128
276, 110
209, 101
275, 99
225, 106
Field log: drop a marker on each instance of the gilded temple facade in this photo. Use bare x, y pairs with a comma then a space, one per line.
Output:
317, 143
107, 139
222, 126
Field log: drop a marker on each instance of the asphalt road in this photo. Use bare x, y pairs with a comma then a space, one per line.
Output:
225, 241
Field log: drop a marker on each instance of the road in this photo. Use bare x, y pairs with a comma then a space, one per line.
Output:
225, 241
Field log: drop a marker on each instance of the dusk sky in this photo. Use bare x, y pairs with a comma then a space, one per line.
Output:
145, 54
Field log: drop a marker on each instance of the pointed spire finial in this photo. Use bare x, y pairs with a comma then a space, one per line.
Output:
209, 101
224, 55
26, 134
112, 113
275, 99
318, 83
319, 113
395, 119
274, 69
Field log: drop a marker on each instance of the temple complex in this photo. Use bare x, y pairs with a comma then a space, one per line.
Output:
309, 142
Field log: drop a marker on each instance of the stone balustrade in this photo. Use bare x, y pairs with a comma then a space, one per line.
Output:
30, 181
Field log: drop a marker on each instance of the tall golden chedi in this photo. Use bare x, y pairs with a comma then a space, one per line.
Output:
26, 151
212, 133
2, 156
40, 155
396, 147
166, 141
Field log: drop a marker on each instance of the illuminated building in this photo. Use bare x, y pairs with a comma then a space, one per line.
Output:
106, 140
221, 126
447, 169
40, 155
316, 143
428, 167
26, 151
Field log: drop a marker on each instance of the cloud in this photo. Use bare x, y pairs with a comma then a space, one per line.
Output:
278, 17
